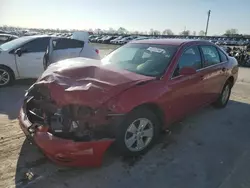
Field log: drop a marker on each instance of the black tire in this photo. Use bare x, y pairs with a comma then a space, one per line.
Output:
221, 101
10, 76
124, 125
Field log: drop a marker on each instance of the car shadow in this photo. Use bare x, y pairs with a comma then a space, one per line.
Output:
11, 97
33, 167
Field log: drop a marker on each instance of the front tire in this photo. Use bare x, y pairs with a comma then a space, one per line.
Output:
224, 96
137, 133
6, 76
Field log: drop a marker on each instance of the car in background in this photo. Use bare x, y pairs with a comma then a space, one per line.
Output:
141, 38
25, 57
79, 107
99, 40
126, 40
114, 41
94, 39
6, 38
108, 39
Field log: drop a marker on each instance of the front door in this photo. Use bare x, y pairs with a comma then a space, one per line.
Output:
185, 91
30, 63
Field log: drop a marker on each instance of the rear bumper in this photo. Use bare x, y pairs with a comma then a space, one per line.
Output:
66, 152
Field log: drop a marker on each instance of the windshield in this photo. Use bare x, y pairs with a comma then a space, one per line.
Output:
14, 43
145, 59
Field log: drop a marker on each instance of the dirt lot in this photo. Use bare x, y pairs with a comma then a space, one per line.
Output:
209, 149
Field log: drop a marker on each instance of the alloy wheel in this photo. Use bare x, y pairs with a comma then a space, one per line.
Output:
139, 134
4, 77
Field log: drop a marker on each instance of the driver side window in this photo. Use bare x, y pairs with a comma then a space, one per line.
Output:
37, 45
190, 58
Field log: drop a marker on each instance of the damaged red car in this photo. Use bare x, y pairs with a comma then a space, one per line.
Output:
79, 106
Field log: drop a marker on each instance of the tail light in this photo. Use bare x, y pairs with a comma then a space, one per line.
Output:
97, 51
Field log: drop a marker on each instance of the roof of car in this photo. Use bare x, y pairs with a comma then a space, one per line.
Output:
175, 42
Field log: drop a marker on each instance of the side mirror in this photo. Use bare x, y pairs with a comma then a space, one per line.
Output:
186, 71
18, 52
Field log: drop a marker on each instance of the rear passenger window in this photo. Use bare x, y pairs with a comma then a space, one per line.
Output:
61, 44
211, 55
223, 57
190, 58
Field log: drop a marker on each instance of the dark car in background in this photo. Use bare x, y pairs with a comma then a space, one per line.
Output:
114, 41
108, 39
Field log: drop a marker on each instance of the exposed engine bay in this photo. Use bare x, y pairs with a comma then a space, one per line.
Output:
74, 122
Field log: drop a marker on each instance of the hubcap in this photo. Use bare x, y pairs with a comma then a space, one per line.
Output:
4, 77
139, 134
225, 94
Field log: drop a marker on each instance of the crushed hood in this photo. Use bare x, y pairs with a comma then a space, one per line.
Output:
86, 81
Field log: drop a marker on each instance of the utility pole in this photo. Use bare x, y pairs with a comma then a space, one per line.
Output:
208, 16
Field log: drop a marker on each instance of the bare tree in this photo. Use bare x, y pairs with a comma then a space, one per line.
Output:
231, 32
167, 32
185, 33
151, 32
156, 32
136, 32
202, 33
122, 30
111, 30
194, 33
98, 31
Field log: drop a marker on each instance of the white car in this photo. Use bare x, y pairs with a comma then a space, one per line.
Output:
24, 57
6, 38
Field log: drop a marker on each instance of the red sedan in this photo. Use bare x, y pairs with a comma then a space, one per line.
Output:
79, 106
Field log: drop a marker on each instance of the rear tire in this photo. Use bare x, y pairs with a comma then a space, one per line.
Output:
137, 133
224, 96
6, 76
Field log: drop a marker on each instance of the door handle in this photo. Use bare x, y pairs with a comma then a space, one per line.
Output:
38, 58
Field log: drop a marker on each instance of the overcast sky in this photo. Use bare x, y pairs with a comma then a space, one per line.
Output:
141, 15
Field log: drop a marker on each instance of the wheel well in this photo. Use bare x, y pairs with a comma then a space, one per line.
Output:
156, 110
231, 80
6, 67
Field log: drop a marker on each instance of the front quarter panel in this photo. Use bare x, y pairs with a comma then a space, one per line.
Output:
151, 92
8, 60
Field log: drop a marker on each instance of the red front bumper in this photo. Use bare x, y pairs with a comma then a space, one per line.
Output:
67, 152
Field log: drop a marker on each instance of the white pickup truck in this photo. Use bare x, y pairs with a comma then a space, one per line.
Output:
25, 57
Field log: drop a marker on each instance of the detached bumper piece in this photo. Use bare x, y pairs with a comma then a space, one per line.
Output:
64, 151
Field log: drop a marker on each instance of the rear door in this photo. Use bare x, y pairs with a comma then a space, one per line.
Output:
185, 91
213, 71
63, 48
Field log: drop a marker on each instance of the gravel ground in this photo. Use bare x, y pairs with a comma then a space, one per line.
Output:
209, 149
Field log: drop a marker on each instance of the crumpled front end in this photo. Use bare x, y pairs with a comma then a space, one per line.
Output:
68, 134
71, 110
